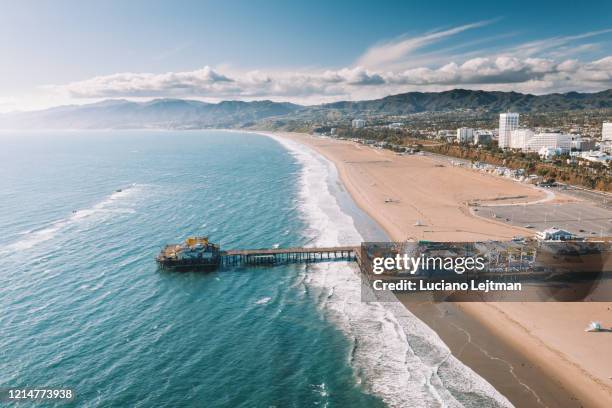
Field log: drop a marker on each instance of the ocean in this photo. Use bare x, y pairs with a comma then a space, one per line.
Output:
83, 305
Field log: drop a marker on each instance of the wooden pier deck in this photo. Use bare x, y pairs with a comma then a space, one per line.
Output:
288, 255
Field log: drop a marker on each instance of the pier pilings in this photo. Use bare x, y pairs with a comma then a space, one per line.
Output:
287, 255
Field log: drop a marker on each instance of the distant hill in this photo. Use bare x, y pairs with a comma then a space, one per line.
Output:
158, 113
180, 113
416, 102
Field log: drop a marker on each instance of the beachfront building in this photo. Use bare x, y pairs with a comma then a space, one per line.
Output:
465, 135
606, 137
555, 234
507, 123
519, 138
446, 134
547, 153
582, 144
558, 141
482, 137
597, 157
545, 144
606, 147
606, 131
358, 123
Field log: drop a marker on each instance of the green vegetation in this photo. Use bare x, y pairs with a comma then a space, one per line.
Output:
483, 101
579, 172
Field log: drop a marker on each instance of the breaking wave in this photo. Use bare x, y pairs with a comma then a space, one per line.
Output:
263, 300
394, 355
112, 204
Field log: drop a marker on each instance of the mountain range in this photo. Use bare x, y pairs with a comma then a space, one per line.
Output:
180, 113
158, 113
490, 101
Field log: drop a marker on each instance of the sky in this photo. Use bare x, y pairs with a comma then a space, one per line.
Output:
73, 52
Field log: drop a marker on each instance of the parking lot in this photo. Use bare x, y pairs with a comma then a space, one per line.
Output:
580, 218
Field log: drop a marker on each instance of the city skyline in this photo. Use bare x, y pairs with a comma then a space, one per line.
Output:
246, 51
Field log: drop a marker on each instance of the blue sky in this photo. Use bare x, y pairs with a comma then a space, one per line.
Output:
77, 52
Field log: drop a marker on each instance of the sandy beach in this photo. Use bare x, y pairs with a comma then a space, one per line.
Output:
537, 354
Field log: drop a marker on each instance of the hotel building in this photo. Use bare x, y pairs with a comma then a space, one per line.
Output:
559, 141
606, 131
507, 123
465, 135
519, 138
358, 123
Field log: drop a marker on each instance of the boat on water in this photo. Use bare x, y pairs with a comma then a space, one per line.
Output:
194, 253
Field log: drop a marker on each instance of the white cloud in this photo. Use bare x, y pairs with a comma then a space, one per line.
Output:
553, 46
536, 67
397, 50
146, 84
540, 74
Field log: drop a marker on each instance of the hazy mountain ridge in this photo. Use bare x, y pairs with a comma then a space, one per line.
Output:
491, 101
158, 113
181, 113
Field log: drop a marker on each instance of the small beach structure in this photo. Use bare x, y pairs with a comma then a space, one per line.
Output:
555, 234
593, 327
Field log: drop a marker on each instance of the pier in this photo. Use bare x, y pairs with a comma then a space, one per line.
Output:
199, 253
288, 255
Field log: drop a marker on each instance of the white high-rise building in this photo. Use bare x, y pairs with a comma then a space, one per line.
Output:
507, 123
519, 138
606, 131
358, 123
465, 135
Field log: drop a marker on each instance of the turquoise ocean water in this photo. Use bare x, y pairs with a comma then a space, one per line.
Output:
82, 304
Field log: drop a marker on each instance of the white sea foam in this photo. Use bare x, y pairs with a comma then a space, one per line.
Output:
394, 355
263, 300
108, 206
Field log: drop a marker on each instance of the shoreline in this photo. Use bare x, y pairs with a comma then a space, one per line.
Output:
541, 375
428, 369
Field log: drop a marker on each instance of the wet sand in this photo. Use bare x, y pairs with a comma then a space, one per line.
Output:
536, 354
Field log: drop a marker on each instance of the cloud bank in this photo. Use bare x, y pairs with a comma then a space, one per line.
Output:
399, 65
